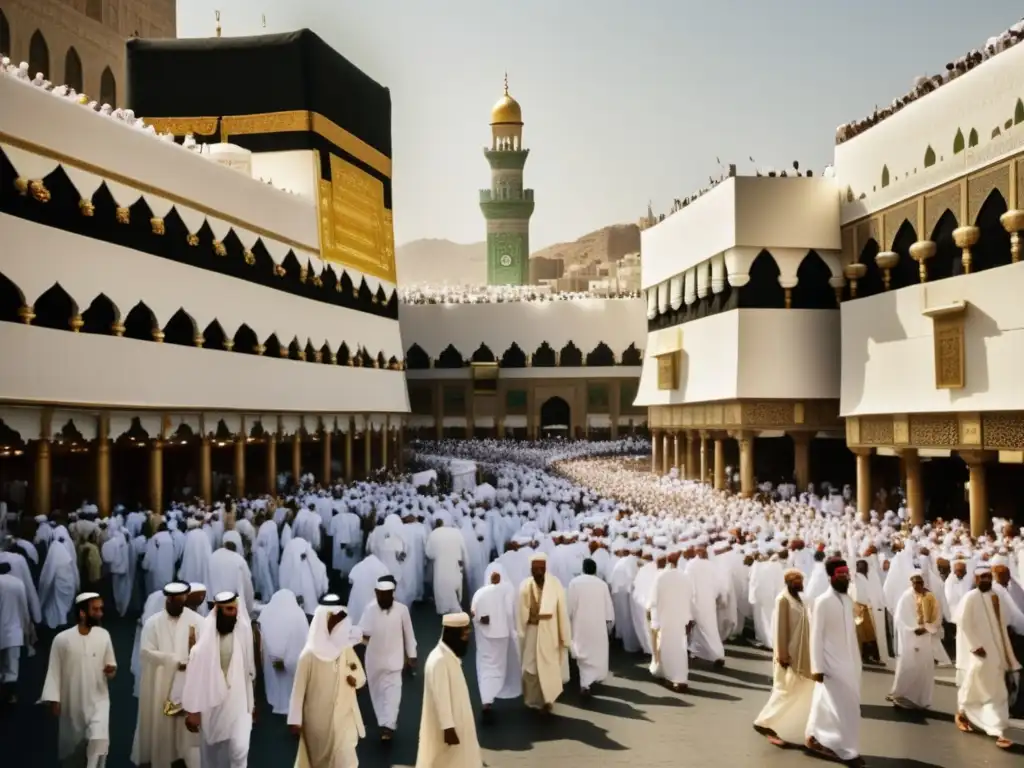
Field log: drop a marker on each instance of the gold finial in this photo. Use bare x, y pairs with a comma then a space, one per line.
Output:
506, 83
216, 15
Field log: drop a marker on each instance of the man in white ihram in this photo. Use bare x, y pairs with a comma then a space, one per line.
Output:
591, 617
218, 694
446, 548
167, 637
833, 728
497, 658
672, 618
542, 626
390, 648
917, 622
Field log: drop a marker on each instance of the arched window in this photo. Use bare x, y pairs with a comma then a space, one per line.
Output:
94, 9
38, 55
885, 176
929, 157
973, 138
108, 88
5, 35
958, 142
73, 70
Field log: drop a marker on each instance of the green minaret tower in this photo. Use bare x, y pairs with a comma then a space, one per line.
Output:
506, 205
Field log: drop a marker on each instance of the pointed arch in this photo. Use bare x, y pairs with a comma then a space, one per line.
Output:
1018, 112
929, 157
570, 356
295, 349
272, 346
958, 142
140, 323
54, 309
38, 55
5, 34
544, 356
601, 355
11, 300
450, 357
972, 139
513, 357
108, 88
416, 359
483, 354
73, 70
326, 353
812, 289
309, 352
345, 357
763, 291
181, 329
214, 336
993, 248
946, 261
632, 356
246, 340
885, 176
872, 282
906, 271
100, 316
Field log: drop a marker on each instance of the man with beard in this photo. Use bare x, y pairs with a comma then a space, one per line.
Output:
833, 729
447, 726
390, 648
542, 627
218, 689
167, 638
784, 718
81, 662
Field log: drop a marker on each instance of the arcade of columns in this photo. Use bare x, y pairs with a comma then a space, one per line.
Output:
388, 440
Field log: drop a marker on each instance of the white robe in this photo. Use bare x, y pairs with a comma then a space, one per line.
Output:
230, 573
671, 611
21, 571
446, 705
643, 586
446, 549
116, 553
75, 679
347, 541
835, 653
161, 740
303, 573
58, 584
391, 642
498, 674
591, 616
621, 584
982, 694
705, 643
283, 631
766, 581
159, 561
363, 578
915, 665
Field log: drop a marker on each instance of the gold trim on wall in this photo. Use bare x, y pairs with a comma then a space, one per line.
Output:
949, 345
179, 126
668, 372
768, 415
992, 431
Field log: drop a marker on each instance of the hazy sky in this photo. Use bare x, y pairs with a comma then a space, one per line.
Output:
623, 100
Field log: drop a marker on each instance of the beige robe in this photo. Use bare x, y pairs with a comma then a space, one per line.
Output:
446, 705
789, 706
542, 626
325, 705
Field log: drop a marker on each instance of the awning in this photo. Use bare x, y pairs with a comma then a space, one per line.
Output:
664, 342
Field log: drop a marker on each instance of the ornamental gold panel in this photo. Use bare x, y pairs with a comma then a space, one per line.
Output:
768, 414
936, 204
900, 430
668, 372
950, 366
980, 187
699, 415
934, 430
1003, 431
894, 218
876, 430
677, 414
970, 429
716, 415
733, 413
853, 430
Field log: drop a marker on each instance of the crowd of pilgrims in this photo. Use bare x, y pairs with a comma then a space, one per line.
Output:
498, 294
568, 548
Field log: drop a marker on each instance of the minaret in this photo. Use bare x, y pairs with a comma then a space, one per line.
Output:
506, 205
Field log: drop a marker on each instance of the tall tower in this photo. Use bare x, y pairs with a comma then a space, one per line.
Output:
506, 206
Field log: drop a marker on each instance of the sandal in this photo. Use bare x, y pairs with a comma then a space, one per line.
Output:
962, 723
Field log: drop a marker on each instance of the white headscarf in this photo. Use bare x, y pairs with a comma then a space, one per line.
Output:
328, 646
205, 685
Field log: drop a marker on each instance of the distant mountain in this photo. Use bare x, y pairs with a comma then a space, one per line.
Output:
436, 261
441, 261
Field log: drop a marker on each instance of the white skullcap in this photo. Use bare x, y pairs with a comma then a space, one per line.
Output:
385, 585
85, 597
538, 557
195, 586
223, 598
982, 569
455, 620
176, 588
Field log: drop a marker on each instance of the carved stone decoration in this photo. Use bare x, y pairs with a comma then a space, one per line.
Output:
853, 430
900, 430
1003, 431
876, 430
768, 414
934, 430
970, 429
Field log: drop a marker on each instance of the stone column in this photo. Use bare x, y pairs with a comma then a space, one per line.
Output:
385, 436
746, 443
42, 480
240, 465
978, 491
297, 455
703, 457
400, 447
531, 414
205, 471
327, 437
693, 455
614, 395
156, 476
367, 448
349, 472
675, 453
720, 482
655, 439
272, 463
666, 466
915, 489
801, 459
863, 483
103, 465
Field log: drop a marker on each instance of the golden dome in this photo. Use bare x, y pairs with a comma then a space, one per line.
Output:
507, 111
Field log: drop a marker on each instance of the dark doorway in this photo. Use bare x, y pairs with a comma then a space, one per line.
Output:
555, 418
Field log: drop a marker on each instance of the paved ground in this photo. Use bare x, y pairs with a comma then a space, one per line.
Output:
630, 721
